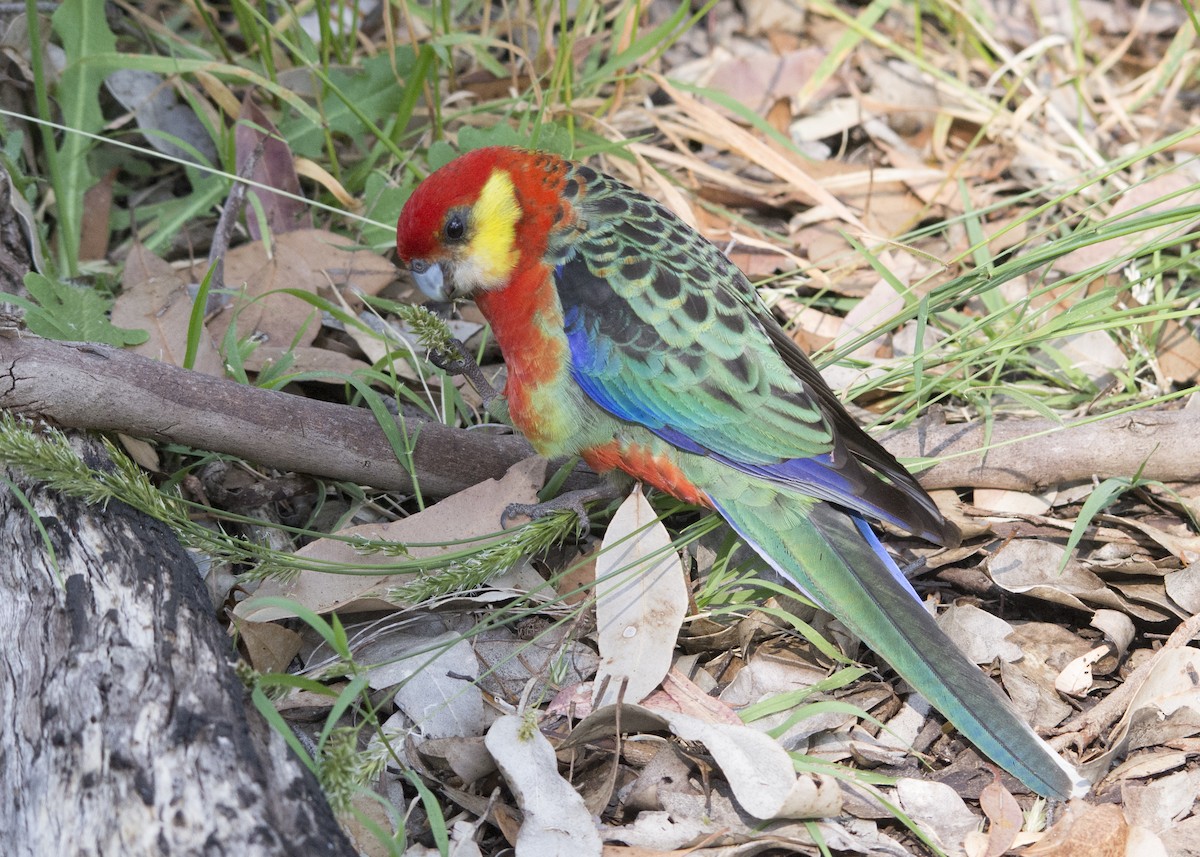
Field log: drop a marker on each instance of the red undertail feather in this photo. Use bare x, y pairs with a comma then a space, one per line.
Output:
642, 464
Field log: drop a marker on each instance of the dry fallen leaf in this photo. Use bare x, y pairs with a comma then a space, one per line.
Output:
556, 821
1046, 649
641, 599
258, 141
306, 260
982, 636
1085, 831
1076, 678
154, 297
432, 680
470, 514
270, 647
1032, 567
1004, 816
938, 810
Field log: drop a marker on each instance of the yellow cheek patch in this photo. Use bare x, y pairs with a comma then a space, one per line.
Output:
492, 251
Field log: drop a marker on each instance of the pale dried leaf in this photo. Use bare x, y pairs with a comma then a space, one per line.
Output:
1085, 831
1184, 587
938, 810
759, 78
905, 725
1166, 707
1143, 843
1117, 627
1031, 567
152, 101
653, 833
1178, 353
835, 116
1004, 501
981, 636
1170, 190
511, 663
1148, 764
432, 677
470, 514
1093, 353
880, 304
666, 771
769, 16
467, 757
1185, 547
368, 811
641, 599
1182, 839
758, 770
141, 451
1046, 649
556, 821
1158, 805
1076, 679
769, 672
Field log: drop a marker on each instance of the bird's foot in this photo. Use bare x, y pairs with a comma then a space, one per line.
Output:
572, 501
456, 360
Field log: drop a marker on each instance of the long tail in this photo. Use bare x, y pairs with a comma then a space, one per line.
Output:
835, 559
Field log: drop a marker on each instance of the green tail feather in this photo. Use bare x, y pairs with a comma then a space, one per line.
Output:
822, 550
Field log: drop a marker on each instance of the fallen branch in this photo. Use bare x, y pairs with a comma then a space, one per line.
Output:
1034, 455
85, 386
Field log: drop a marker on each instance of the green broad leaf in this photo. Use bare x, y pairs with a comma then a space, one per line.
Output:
72, 313
375, 90
500, 134
384, 201
440, 153
84, 32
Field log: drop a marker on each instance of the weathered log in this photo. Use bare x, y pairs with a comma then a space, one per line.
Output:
126, 731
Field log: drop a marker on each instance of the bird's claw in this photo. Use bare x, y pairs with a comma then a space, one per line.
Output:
454, 359
572, 501
534, 511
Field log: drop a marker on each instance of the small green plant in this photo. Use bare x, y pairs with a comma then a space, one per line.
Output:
78, 314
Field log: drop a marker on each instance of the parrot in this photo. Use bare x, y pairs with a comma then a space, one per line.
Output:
634, 343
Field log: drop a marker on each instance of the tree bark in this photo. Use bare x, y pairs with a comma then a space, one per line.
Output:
126, 730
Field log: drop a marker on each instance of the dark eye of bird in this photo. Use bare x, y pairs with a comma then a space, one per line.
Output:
456, 226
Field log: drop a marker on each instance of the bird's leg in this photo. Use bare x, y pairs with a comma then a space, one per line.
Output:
456, 360
609, 489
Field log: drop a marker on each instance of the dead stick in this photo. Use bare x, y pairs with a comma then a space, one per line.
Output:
84, 386
1033, 455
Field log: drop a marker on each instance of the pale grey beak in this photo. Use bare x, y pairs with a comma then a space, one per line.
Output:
429, 280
